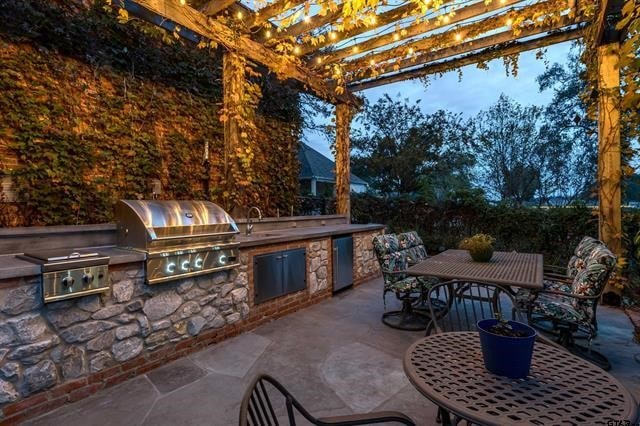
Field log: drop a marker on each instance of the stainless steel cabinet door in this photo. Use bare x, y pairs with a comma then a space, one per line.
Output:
342, 262
295, 270
267, 276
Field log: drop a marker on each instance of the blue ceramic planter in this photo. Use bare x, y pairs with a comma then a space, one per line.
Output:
503, 355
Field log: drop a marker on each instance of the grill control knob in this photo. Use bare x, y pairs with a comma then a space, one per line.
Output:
198, 263
68, 281
87, 278
184, 265
222, 260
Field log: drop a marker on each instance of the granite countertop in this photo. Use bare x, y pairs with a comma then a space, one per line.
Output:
15, 267
296, 234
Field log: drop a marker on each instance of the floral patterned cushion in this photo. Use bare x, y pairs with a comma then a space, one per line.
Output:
523, 296
397, 253
560, 308
584, 248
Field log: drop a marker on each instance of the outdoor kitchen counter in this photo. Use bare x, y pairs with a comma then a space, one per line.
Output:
15, 267
268, 237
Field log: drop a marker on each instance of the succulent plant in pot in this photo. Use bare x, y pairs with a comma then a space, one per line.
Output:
480, 247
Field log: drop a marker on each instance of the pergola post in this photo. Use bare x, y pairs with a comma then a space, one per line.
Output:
344, 113
233, 76
609, 167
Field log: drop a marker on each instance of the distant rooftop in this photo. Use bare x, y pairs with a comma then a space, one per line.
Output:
314, 165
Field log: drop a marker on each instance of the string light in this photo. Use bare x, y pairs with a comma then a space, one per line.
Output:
333, 35
267, 34
509, 22
355, 49
239, 15
458, 36
396, 36
503, 1
372, 62
319, 60
446, 19
296, 50
183, 2
306, 19
373, 20
411, 51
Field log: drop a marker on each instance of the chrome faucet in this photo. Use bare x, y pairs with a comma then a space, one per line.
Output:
249, 226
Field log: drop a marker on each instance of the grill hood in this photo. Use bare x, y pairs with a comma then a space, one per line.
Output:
155, 225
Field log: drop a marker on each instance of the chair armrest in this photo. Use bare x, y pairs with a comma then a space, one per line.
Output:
367, 419
559, 270
557, 277
563, 294
386, 271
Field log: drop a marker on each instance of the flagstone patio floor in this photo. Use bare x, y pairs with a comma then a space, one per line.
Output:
336, 357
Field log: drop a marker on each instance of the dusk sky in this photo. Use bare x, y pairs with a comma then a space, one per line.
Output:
477, 90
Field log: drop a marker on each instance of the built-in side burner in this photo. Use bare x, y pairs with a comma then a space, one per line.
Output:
70, 273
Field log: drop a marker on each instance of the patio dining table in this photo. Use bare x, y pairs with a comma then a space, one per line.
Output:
560, 389
505, 268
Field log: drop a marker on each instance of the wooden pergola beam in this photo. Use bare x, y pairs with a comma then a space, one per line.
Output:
462, 14
194, 21
279, 6
469, 46
213, 7
302, 27
474, 58
447, 38
385, 18
344, 114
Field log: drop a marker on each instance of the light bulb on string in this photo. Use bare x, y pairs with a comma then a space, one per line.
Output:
372, 62
396, 36
183, 2
458, 36
267, 34
509, 21
306, 19
333, 35
355, 49
446, 19
411, 51
239, 15
296, 50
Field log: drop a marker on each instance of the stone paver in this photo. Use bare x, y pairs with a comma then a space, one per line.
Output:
335, 357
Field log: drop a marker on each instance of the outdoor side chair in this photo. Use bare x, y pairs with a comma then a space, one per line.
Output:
572, 315
258, 409
394, 259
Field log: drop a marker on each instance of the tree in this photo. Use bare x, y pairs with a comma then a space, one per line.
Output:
396, 146
568, 129
508, 150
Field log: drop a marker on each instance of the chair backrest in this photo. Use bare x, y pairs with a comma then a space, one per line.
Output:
599, 266
390, 257
577, 263
458, 305
258, 408
413, 246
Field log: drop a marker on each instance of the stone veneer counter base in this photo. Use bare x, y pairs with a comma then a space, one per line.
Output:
64, 351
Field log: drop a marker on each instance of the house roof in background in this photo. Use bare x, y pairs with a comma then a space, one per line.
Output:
314, 165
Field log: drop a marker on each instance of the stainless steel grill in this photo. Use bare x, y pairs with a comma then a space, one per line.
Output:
181, 238
72, 273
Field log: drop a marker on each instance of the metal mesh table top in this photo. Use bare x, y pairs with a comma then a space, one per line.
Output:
561, 388
508, 268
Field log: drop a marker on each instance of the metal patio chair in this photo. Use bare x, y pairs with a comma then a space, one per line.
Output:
569, 313
395, 254
258, 409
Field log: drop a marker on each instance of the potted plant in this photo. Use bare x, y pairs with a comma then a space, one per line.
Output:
507, 346
480, 247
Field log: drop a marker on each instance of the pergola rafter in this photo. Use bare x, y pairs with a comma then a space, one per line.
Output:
465, 47
467, 12
470, 59
455, 37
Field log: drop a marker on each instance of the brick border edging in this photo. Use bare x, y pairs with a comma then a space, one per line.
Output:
76, 390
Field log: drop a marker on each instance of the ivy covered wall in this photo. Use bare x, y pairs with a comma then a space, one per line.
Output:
92, 110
